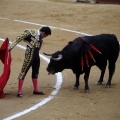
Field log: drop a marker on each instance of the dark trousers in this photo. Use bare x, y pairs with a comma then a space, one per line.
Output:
32, 59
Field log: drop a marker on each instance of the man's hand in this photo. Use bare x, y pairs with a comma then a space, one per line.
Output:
9, 48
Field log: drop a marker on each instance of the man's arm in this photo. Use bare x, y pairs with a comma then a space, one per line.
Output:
18, 39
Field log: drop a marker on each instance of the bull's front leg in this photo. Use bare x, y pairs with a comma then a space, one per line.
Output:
77, 82
86, 77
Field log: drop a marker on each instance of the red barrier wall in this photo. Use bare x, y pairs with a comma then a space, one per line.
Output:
108, 1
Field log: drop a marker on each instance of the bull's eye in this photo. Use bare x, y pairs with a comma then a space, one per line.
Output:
52, 61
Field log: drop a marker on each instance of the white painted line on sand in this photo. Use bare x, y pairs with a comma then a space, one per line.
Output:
63, 29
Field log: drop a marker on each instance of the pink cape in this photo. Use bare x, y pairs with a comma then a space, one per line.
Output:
5, 57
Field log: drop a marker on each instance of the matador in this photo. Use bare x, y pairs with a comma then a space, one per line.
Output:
34, 39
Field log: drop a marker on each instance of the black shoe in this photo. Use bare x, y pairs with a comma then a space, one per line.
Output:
19, 95
38, 93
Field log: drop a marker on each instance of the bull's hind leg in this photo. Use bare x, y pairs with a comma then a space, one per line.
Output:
111, 72
101, 76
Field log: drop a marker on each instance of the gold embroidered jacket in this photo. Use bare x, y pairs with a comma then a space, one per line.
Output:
31, 37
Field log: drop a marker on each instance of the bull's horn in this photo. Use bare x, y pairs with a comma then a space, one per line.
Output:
47, 54
59, 58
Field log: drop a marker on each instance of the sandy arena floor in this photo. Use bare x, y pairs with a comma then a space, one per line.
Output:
100, 103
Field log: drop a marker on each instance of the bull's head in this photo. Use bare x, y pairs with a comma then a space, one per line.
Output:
56, 62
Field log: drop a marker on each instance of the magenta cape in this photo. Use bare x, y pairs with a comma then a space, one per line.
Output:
5, 57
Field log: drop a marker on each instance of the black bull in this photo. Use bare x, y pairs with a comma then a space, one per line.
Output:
84, 52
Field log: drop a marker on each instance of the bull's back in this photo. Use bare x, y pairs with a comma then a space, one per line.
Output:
107, 44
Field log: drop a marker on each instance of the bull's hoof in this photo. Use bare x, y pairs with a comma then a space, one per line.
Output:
107, 86
75, 88
99, 83
86, 91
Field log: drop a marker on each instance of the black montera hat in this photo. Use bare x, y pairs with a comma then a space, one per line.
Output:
47, 30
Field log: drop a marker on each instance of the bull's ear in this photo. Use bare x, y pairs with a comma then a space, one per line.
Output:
47, 54
70, 42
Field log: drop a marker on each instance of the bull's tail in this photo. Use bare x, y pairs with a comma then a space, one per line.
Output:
119, 46
113, 59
